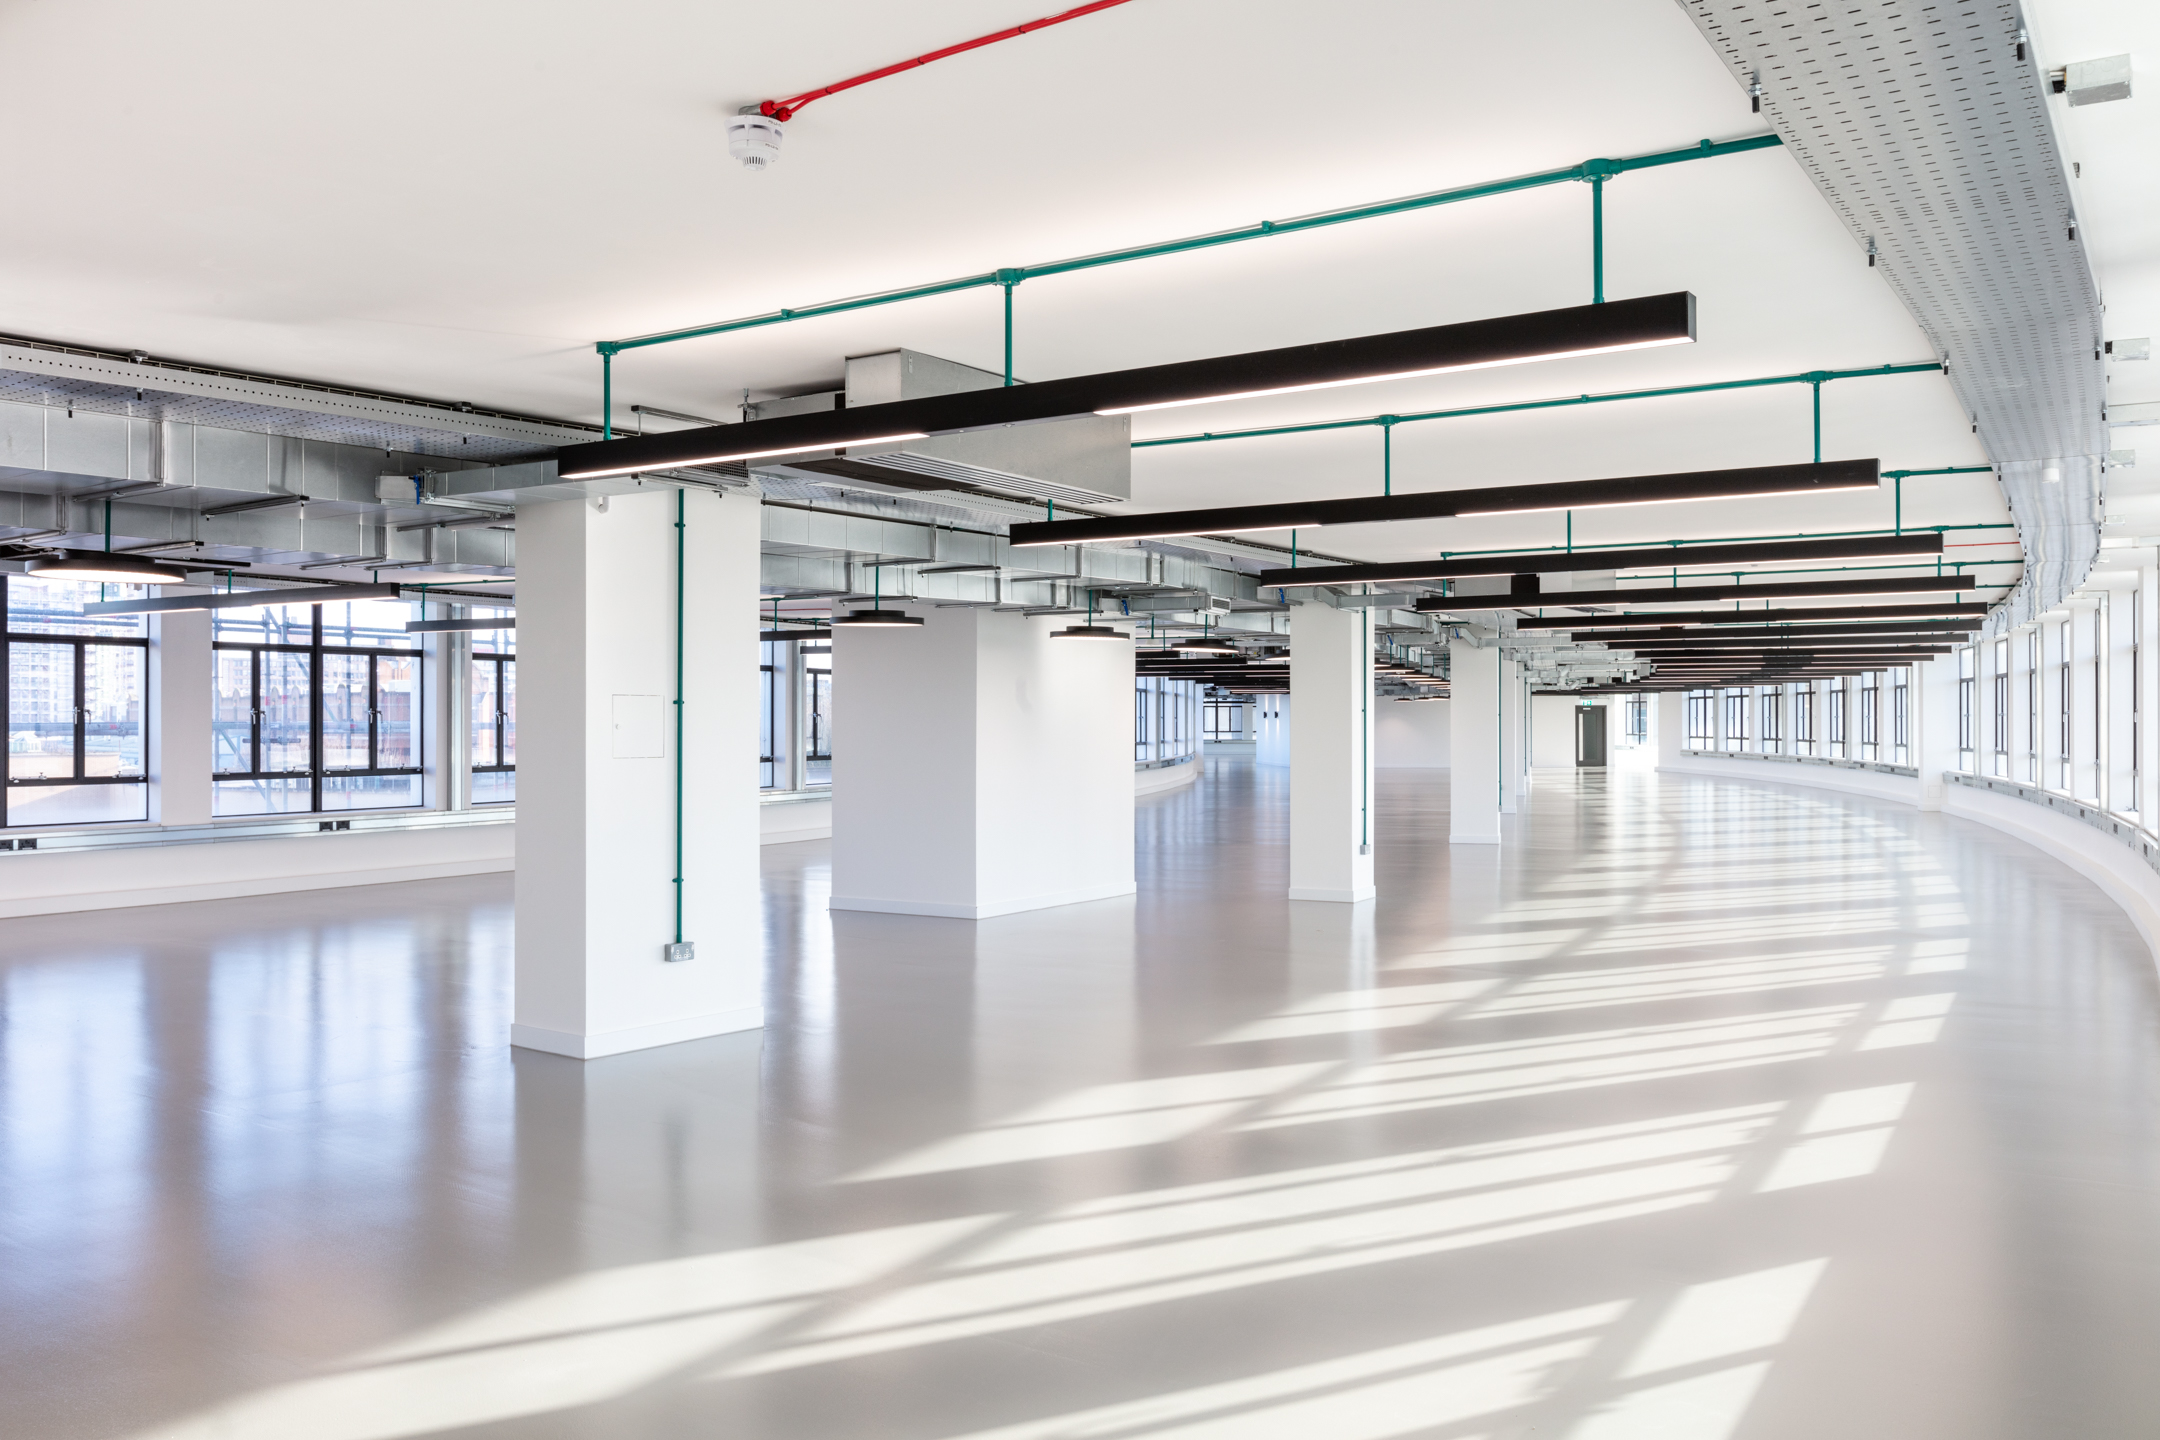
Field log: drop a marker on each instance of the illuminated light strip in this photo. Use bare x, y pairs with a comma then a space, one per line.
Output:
1476, 344
1398, 375
1725, 484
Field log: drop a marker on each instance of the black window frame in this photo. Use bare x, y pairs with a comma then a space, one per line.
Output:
316, 772
11, 637
498, 766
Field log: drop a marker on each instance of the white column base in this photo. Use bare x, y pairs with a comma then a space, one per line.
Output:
636, 1037
1349, 897
1048, 901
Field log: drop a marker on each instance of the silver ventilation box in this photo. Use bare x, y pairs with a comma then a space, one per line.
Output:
1084, 460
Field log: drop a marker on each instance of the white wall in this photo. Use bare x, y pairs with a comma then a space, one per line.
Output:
1552, 731
1411, 734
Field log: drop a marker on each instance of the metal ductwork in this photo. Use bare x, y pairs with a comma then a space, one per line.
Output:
1927, 130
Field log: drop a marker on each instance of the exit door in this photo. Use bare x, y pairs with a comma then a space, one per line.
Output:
1590, 736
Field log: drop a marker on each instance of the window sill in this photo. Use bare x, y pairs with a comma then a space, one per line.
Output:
127, 835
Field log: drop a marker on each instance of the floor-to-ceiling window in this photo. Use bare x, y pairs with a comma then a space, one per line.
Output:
317, 707
1773, 717
1901, 717
1834, 718
1701, 719
1871, 716
816, 714
1803, 719
1999, 685
493, 719
76, 700
1166, 719
1736, 719
1968, 716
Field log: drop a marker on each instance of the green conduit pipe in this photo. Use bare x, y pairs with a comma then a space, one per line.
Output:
607, 398
1815, 382
682, 582
1593, 170
1597, 239
1802, 378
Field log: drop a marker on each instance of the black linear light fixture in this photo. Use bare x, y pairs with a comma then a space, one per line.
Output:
1694, 619
101, 565
1709, 594
1916, 545
1726, 634
1639, 324
1754, 481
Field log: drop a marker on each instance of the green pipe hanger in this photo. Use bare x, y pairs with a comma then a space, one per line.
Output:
1805, 377
1594, 171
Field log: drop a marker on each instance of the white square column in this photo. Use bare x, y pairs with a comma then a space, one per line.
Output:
597, 767
1932, 730
1672, 737
181, 672
1514, 734
1331, 828
1474, 757
980, 767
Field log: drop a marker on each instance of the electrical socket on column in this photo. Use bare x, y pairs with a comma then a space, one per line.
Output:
680, 950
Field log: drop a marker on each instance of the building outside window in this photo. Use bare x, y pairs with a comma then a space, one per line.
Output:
75, 704
1222, 721
316, 707
494, 710
816, 714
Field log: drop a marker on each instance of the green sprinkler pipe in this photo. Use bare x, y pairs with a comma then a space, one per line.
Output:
1588, 170
607, 396
1803, 378
682, 581
1597, 239
1815, 382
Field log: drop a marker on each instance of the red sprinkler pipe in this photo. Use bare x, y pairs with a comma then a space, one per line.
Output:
785, 109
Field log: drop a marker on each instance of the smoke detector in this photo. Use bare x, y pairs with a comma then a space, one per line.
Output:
753, 138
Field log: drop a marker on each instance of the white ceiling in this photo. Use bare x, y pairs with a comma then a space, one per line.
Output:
456, 201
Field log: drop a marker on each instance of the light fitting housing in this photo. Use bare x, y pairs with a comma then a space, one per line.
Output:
1089, 632
1918, 545
1710, 594
1752, 482
1699, 619
1204, 645
875, 619
101, 565
1642, 323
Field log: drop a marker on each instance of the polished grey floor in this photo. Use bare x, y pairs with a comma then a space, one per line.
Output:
1699, 1110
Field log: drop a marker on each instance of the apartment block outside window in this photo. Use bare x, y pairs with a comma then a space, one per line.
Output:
316, 707
75, 703
493, 716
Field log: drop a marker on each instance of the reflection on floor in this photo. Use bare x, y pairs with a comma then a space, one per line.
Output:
1698, 1111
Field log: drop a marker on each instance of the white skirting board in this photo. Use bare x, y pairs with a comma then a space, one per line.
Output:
636, 1037
981, 912
62, 882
